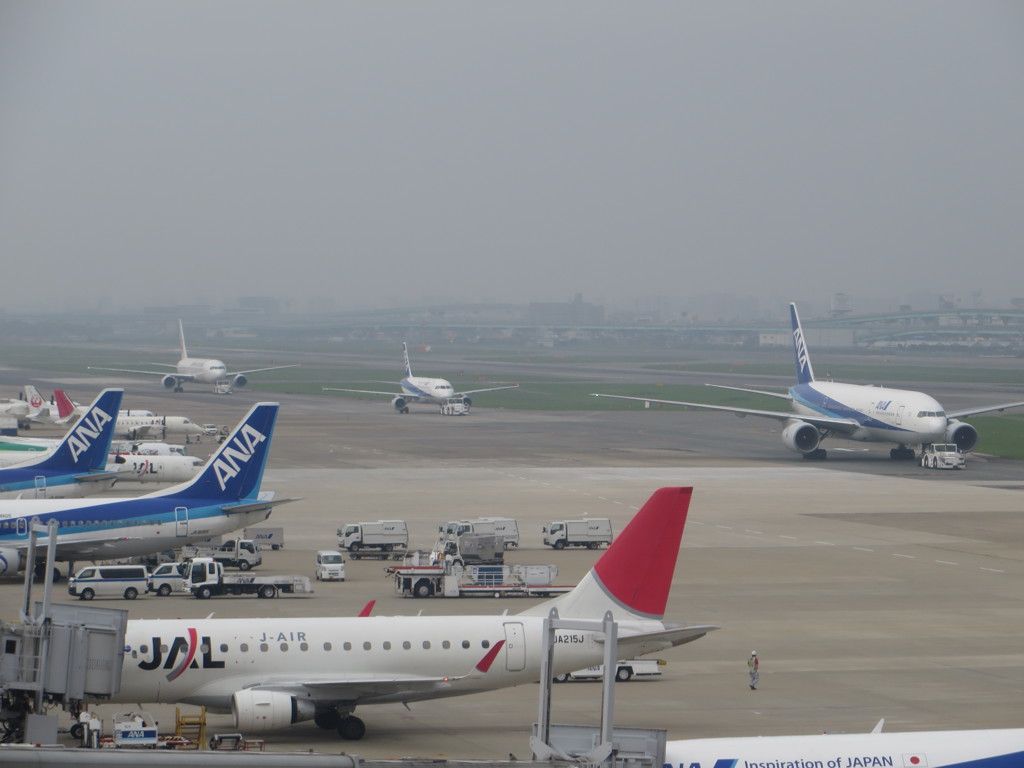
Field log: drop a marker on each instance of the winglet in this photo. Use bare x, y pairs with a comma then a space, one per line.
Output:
181, 335
804, 372
367, 608
485, 663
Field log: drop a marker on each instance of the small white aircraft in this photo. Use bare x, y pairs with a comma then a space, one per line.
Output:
416, 389
273, 672
852, 411
133, 424
996, 748
31, 408
202, 370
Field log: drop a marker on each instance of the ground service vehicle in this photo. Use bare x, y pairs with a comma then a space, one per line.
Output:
591, 532
127, 581
625, 670
237, 553
206, 578
330, 565
267, 538
168, 578
943, 456
374, 539
505, 527
446, 578
471, 548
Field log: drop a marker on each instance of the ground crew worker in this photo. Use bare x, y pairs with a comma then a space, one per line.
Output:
753, 668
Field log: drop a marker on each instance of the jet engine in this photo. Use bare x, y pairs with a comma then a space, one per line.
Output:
240, 380
964, 435
801, 437
399, 404
169, 382
10, 560
256, 710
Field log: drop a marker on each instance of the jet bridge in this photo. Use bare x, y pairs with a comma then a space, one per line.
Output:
56, 655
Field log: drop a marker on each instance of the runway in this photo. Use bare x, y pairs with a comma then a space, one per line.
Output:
869, 588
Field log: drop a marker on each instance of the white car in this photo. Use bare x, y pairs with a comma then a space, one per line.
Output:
330, 565
625, 669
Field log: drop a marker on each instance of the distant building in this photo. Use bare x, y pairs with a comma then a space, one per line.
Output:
575, 312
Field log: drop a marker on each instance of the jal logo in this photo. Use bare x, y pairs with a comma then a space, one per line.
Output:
802, 360
36, 401
181, 654
236, 453
88, 429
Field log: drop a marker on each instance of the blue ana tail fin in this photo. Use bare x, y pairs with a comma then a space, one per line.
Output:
235, 471
405, 359
804, 372
86, 445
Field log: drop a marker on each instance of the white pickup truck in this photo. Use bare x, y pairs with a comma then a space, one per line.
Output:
625, 670
943, 456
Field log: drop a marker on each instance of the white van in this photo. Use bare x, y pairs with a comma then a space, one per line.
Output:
127, 581
167, 579
330, 565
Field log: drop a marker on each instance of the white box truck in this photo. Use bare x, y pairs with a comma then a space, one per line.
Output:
374, 539
505, 527
590, 532
267, 538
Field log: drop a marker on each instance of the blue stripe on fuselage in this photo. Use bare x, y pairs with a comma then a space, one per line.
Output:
413, 390
116, 516
807, 396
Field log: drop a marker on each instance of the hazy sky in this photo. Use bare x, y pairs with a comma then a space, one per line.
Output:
384, 153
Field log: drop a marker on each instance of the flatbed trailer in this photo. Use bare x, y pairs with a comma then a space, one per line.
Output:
447, 580
207, 578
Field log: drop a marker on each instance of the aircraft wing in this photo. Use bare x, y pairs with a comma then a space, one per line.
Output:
260, 370
839, 426
782, 395
489, 389
984, 409
255, 506
403, 395
178, 376
94, 477
354, 688
649, 642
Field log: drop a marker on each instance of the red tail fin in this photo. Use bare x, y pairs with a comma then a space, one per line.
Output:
64, 405
637, 569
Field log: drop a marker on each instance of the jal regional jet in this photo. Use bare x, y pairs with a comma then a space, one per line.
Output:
272, 672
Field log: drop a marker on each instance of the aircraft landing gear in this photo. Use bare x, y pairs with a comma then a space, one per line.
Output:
351, 728
902, 454
328, 719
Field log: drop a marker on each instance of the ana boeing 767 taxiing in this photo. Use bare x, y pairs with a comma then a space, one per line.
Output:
416, 389
853, 411
204, 370
272, 672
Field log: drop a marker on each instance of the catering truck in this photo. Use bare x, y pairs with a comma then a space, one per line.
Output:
505, 527
206, 578
471, 548
591, 532
374, 539
237, 553
446, 578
